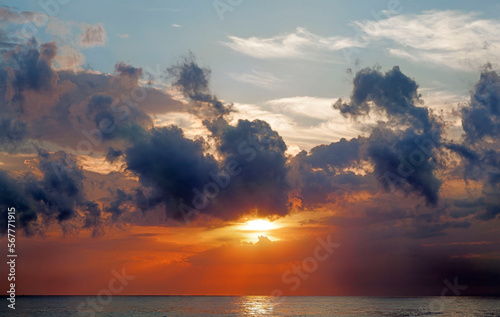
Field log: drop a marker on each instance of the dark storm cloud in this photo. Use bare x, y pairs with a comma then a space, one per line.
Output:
393, 92
13, 195
336, 155
243, 168
484, 209
193, 81
319, 173
403, 150
76, 109
176, 173
116, 207
12, 133
61, 191
259, 153
31, 68
464, 152
113, 155
482, 117
58, 195
479, 151
403, 159
174, 170
128, 70
406, 161
171, 165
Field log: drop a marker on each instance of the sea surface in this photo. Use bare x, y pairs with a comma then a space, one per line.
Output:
125, 306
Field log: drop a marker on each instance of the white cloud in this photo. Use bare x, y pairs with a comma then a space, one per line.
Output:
123, 36
312, 107
322, 125
176, 25
262, 79
447, 105
300, 44
453, 39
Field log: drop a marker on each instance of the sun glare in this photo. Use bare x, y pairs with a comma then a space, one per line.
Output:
259, 225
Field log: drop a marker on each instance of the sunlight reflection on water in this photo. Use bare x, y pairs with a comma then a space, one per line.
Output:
228, 306
257, 305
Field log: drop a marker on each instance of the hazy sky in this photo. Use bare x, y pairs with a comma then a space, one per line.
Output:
206, 146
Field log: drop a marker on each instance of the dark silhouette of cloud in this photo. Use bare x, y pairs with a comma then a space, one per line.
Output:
57, 196
171, 165
193, 81
482, 117
393, 92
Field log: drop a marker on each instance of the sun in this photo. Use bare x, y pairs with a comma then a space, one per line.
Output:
259, 225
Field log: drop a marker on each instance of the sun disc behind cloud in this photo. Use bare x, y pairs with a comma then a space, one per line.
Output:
259, 225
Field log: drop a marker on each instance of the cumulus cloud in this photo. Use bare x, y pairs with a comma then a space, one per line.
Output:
406, 156
30, 69
93, 35
193, 81
171, 165
482, 118
386, 188
81, 107
393, 92
180, 175
239, 166
54, 194
479, 152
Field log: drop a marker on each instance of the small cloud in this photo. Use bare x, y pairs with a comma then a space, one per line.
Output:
123, 36
93, 35
176, 25
257, 78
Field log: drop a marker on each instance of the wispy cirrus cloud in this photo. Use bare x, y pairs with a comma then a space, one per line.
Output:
261, 79
299, 44
454, 39
308, 106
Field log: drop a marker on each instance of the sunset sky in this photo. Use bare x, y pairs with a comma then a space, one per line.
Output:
237, 147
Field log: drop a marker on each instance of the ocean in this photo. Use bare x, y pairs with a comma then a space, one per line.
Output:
128, 306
